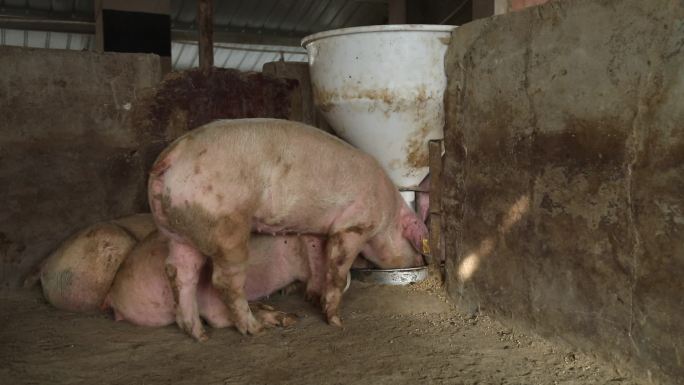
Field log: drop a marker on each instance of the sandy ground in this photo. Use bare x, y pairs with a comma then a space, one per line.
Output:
391, 335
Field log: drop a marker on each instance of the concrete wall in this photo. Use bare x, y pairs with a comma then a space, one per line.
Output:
188, 99
78, 132
67, 155
564, 176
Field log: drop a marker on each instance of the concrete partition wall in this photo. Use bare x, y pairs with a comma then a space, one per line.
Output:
564, 176
79, 131
68, 156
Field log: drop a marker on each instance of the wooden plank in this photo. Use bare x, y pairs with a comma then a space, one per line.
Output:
435, 261
205, 22
435, 164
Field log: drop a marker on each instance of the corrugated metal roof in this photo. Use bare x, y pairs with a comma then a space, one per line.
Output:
261, 20
184, 55
43, 39
289, 17
244, 57
285, 17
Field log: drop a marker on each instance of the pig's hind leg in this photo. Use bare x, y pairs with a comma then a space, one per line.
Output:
183, 270
215, 312
271, 317
230, 270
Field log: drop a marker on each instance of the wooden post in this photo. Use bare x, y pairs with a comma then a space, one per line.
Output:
435, 163
205, 22
99, 28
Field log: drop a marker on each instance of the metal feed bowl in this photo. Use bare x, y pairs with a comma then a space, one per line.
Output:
391, 276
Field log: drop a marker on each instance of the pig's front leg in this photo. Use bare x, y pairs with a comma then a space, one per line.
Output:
341, 250
183, 267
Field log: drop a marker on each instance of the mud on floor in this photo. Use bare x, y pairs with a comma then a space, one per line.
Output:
392, 335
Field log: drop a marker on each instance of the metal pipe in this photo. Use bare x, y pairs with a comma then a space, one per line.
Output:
454, 12
53, 25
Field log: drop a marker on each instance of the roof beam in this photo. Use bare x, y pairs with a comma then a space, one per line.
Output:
239, 37
47, 24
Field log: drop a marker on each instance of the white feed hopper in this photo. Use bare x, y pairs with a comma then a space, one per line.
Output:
381, 88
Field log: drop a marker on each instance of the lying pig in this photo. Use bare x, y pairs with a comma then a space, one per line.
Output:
78, 274
142, 294
213, 186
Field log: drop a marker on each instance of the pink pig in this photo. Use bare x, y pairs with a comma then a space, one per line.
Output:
213, 186
142, 293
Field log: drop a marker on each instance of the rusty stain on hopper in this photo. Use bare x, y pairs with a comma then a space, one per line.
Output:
416, 148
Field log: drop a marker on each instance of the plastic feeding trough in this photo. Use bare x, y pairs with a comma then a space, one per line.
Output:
381, 88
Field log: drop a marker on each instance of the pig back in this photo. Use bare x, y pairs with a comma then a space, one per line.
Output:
292, 173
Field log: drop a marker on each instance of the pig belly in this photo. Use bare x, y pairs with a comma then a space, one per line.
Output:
141, 293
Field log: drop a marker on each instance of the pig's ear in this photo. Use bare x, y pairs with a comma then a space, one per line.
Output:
416, 232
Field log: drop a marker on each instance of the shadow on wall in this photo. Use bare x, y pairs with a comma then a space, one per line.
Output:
470, 263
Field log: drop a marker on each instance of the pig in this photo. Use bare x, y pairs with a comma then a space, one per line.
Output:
142, 293
78, 274
84, 273
216, 184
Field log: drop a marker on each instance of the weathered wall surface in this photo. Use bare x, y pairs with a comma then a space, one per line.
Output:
78, 132
67, 156
188, 99
564, 176
300, 73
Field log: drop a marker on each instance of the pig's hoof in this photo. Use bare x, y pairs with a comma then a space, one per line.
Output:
202, 337
288, 320
249, 326
270, 317
198, 334
335, 321
194, 329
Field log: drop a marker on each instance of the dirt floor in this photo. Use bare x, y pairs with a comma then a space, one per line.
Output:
391, 335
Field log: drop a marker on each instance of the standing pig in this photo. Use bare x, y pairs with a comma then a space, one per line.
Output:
211, 187
142, 293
